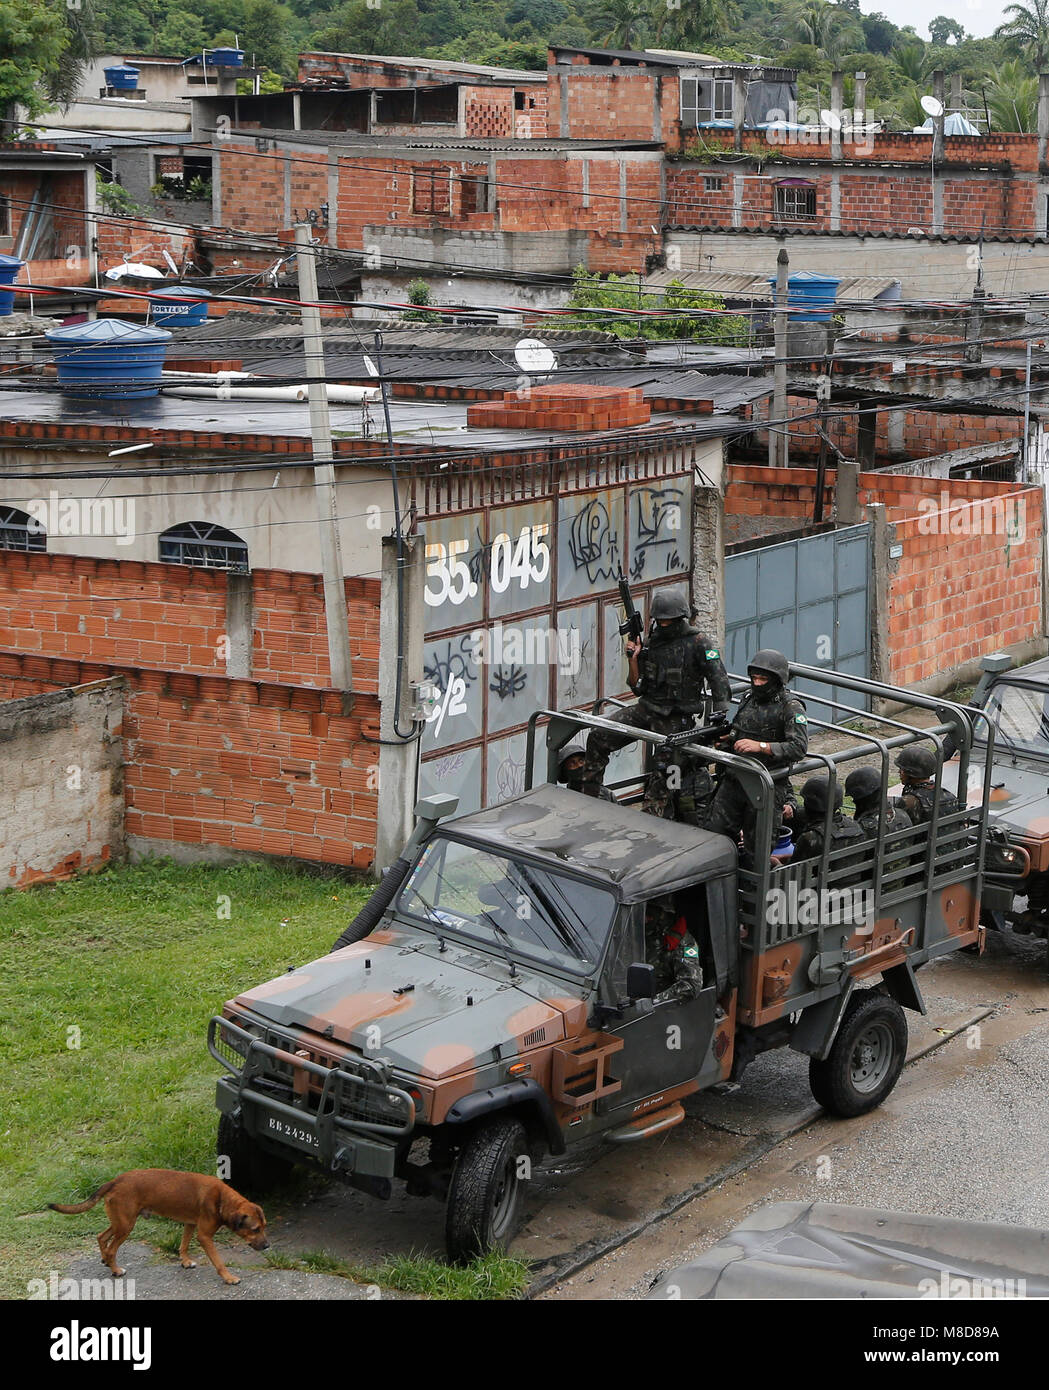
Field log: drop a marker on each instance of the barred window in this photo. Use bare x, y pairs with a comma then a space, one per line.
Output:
712, 183
430, 190
795, 202
20, 531
204, 545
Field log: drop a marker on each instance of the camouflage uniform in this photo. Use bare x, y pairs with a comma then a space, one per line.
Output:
671, 948
672, 668
842, 832
768, 714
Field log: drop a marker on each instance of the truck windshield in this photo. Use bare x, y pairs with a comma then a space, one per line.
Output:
511, 905
1020, 715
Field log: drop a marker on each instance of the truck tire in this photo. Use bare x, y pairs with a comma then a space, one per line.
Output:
866, 1059
484, 1195
251, 1171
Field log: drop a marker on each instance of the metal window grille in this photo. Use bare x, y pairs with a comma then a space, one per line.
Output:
794, 204
19, 531
206, 546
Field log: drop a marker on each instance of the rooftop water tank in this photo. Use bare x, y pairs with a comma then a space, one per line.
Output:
122, 77
111, 358
9, 268
226, 57
810, 295
182, 306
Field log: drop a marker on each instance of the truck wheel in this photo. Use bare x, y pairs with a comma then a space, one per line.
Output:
250, 1170
866, 1059
484, 1195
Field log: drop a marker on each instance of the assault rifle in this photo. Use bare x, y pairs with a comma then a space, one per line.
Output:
717, 730
634, 625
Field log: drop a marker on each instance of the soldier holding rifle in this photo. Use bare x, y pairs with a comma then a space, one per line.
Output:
667, 673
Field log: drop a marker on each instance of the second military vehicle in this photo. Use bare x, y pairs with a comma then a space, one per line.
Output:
499, 999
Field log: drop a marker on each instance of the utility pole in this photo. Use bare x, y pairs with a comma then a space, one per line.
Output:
778, 435
335, 614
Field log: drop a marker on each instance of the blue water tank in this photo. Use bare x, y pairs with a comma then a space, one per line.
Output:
226, 57
9, 268
122, 78
810, 293
181, 305
109, 357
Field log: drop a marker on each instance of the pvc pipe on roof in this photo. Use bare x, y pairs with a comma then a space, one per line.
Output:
221, 387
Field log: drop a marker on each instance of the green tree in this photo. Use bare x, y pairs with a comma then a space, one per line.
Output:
64, 82
593, 296
1012, 97
693, 25
618, 23
266, 35
33, 38
829, 28
879, 33
910, 61
1027, 30
942, 29
183, 33
419, 294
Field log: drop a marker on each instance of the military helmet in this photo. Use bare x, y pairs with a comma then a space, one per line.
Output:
916, 762
669, 603
864, 782
570, 750
769, 662
814, 794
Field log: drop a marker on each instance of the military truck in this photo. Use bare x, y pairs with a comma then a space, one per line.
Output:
1009, 714
493, 1002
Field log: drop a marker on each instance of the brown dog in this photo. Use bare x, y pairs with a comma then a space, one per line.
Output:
203, 1204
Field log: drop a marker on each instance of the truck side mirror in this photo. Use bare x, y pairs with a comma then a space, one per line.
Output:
641, 981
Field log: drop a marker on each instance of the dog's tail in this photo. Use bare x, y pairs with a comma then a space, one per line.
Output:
92, 1201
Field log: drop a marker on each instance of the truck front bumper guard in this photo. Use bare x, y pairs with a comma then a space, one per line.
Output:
358, 1118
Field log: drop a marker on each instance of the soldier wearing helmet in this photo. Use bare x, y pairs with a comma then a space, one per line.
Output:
815, 798
668, 673
864, 786
917, 768
570, 763
770, 726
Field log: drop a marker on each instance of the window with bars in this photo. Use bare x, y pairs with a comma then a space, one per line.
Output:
712, 183
20, 531
430, 190
705, 99
795, 202
204, 545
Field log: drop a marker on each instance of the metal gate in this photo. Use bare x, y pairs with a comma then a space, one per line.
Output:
808, 597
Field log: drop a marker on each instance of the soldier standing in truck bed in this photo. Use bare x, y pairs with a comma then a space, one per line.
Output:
667, 673
814, 797
864, 786
917, 766
770, 726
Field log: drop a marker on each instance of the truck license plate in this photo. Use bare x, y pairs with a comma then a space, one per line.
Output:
292, 1134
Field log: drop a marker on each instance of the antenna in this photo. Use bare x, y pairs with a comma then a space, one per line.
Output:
534, 357
932, 106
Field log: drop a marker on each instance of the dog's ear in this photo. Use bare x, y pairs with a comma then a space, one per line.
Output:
237, 1221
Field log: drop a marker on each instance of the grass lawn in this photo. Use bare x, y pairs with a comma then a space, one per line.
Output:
106, 986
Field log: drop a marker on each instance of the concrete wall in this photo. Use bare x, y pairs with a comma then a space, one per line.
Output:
925, 267
63, 803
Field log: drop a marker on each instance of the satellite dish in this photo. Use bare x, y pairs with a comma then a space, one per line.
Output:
134, 270
932, 106
171, 263
831, 119
533, 356
370, 366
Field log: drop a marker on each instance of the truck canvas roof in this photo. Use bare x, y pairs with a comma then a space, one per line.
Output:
637, 855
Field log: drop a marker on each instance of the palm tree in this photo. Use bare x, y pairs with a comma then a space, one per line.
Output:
1012, 98
619, 23
829, 28
693, 21
1027, 29
63, 83
910, 61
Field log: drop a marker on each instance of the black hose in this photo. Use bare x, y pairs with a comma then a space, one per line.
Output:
376, 905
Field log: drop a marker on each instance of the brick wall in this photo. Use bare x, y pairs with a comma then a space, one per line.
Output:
173, 617
488, 112
900, 433
238, 766
63, 809
970, 576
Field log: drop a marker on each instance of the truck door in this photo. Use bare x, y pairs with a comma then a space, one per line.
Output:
665, 1041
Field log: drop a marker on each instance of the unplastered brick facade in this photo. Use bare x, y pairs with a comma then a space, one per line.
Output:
274, 762
968, 579
988, 183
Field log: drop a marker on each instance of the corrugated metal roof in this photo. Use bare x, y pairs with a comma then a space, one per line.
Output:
752, 285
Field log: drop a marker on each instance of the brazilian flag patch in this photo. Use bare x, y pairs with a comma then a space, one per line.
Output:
713, 654
800, 719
